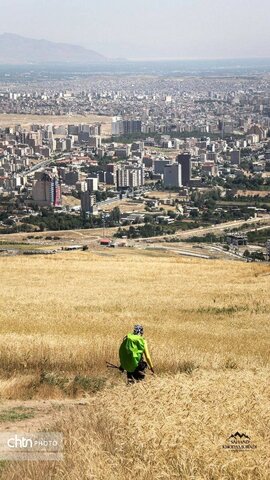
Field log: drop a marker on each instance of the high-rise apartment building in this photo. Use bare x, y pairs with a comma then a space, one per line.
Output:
72, 177
172, 176
122, 178
132, 126
47, 191
130, 176
236, 157
184, 159
92, 184
111, 178
125, 127
117, 126
88, 202
159, 165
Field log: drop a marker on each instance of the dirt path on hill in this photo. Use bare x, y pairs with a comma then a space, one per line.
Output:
32, 415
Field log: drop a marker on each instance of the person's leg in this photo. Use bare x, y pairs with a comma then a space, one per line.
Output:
139, 373
130, 377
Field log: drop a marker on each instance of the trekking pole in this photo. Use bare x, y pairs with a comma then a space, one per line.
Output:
111, 365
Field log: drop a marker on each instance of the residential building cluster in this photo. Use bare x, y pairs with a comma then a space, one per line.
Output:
172, 132
157, 104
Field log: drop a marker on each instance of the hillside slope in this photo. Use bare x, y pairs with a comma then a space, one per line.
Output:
173, 427
207, 325
69, 312
18, 50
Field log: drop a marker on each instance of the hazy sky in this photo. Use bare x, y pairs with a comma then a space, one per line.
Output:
146, 28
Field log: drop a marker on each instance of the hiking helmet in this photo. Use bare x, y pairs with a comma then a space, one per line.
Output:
138, 330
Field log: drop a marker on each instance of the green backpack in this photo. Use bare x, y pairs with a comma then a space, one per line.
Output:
131, 351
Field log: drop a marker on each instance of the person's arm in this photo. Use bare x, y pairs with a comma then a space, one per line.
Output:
147, 356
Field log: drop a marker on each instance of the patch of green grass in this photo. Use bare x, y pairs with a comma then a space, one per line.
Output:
187, 366
230, 364
89, 384
54, 380
18, 246
69, 385
16, 414
223, 310
3, 464
232, 309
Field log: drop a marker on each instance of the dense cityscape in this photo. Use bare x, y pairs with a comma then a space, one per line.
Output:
80, 148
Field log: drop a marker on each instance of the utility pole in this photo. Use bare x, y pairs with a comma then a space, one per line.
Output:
103, 222
268, 250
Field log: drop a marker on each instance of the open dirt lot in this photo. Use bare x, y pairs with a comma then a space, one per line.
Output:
9, 120
161, 195
253, 193
127, 206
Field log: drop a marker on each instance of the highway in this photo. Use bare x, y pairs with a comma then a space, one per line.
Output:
180, 252
107, 202
36, 167
45, 163
213, 229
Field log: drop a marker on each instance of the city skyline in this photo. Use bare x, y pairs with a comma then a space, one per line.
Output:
182, 29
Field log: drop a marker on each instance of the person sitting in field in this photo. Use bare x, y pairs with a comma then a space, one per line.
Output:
132, 352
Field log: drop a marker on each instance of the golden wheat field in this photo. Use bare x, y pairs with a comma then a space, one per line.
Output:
207, 326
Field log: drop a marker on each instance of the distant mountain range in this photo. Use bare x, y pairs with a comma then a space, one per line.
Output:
17, 50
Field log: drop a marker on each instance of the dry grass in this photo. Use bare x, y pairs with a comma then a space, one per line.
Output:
69, 313
127, 206
87, 234
172, 427
70, 200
